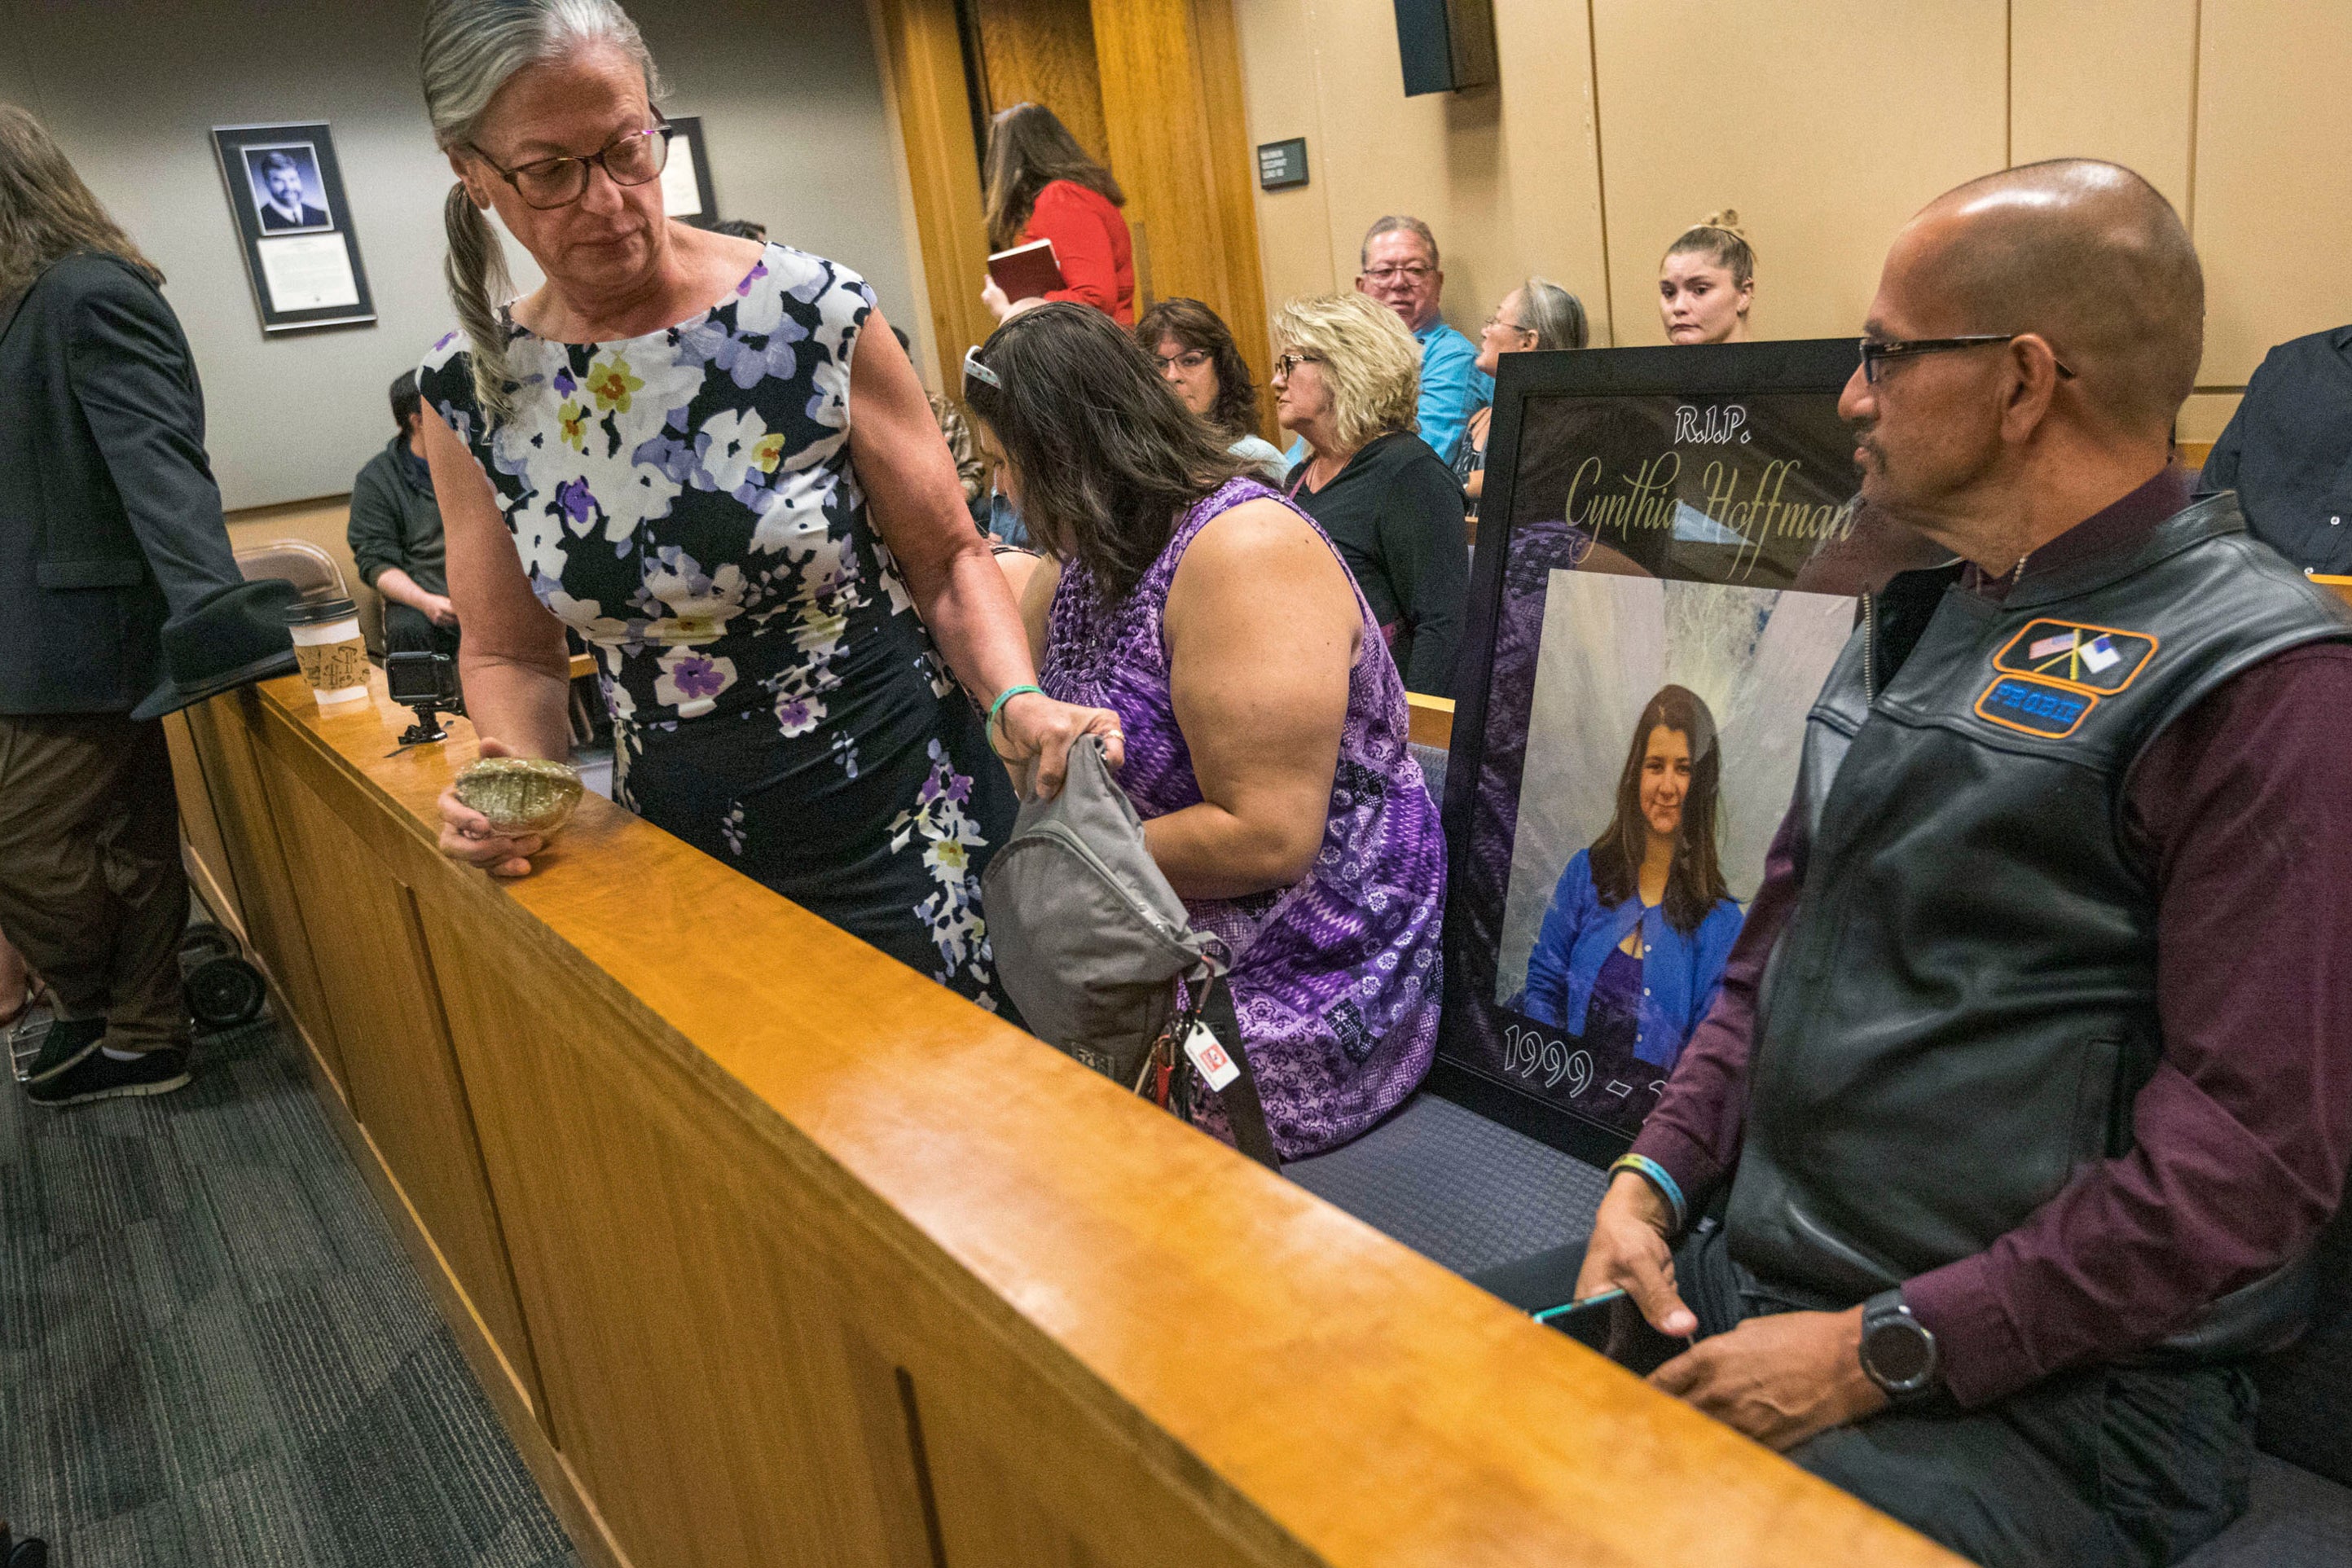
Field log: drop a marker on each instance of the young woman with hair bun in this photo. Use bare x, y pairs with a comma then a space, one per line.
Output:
1707, 281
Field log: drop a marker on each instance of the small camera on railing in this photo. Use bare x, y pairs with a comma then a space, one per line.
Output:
426, 684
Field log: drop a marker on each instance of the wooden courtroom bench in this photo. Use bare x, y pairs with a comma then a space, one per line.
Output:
768, 1251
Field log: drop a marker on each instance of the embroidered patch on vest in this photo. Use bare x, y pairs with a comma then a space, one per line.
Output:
2035, 707
2088, 658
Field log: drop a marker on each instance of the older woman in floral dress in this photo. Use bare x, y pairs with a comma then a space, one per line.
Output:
670, 448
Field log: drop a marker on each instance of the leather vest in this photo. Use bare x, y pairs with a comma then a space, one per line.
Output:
1962, 1007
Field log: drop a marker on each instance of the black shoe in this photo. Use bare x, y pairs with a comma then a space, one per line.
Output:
99, 1076
65, 1047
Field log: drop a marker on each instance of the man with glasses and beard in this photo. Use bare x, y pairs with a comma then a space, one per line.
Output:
2022, 1140
285, 205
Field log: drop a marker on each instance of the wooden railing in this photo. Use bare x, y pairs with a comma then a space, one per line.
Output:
769, 1251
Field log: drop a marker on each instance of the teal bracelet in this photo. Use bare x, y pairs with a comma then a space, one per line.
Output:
996, 708
1651, 1171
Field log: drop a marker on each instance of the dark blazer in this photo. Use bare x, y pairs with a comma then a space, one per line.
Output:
312, 218
2287, 453
396, 521
110, 520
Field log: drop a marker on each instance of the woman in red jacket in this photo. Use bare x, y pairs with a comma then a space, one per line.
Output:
1043, 185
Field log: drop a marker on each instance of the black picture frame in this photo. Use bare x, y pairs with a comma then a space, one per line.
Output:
688, 129
1797, 384
294, 227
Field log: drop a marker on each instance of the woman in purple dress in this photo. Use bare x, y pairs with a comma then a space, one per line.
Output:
1266, 727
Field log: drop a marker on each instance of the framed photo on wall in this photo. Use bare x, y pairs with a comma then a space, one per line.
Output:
685, 177
301, 255
1669, 558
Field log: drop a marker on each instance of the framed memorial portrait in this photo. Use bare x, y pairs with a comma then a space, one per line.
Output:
301, 255
686, 188
1669, 561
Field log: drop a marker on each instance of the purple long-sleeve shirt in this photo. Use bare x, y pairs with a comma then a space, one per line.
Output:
2242, 810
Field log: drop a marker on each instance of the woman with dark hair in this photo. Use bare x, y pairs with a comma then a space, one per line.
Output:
1203, 367
1633, 947
1706, 282
1039, 183
711, 459
1266, 731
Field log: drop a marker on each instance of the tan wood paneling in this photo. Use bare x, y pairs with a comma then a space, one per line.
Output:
2206, 415
1431, 720
1508, 177
2105, 78
207, 853
403, 1078
1282, 92
1169, 94
1232, 186
2273, 222
1041, 51
751, 1172
222, 731
925, 67
1825, 126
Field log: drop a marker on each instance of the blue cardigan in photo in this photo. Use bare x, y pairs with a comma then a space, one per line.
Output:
1680, 974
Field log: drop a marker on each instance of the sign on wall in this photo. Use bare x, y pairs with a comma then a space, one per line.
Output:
1668, 564
301, 254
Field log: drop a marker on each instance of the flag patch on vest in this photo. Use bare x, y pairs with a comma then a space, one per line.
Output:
2035, 707
2089, 658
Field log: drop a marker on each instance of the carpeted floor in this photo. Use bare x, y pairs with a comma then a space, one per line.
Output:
213, 1353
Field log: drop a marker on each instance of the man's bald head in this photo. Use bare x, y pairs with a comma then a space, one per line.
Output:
2085, 253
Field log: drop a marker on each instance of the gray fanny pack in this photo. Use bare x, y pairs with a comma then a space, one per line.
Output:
1097, 951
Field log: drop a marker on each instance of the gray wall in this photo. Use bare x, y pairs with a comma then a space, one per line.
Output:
789, 92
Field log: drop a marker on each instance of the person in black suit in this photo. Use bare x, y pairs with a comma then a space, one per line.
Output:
117, 584
282, 203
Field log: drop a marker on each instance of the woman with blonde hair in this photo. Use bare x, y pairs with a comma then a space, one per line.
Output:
1347, 377
711, 459
1706, 282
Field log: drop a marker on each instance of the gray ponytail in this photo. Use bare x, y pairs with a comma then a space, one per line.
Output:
471, 48
1554, 315
479, 285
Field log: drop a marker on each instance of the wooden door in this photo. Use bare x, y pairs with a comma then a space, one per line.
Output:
1151, 86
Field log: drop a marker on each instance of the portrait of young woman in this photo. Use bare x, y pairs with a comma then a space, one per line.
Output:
1632, 945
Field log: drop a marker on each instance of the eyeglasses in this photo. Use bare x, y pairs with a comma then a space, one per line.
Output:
1188, 361
1874, 351
973, 370
632, 158
1414, 272
1496, 320
1289, 362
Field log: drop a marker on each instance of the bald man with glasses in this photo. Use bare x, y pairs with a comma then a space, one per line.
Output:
2031, 1086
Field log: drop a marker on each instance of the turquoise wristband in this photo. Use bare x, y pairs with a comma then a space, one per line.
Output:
1651, 1171
996, 708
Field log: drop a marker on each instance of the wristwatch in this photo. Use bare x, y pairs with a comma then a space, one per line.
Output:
1898, 1353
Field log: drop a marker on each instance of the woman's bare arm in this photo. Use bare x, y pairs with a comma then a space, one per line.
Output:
512, 659
910, 484
1263, 631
